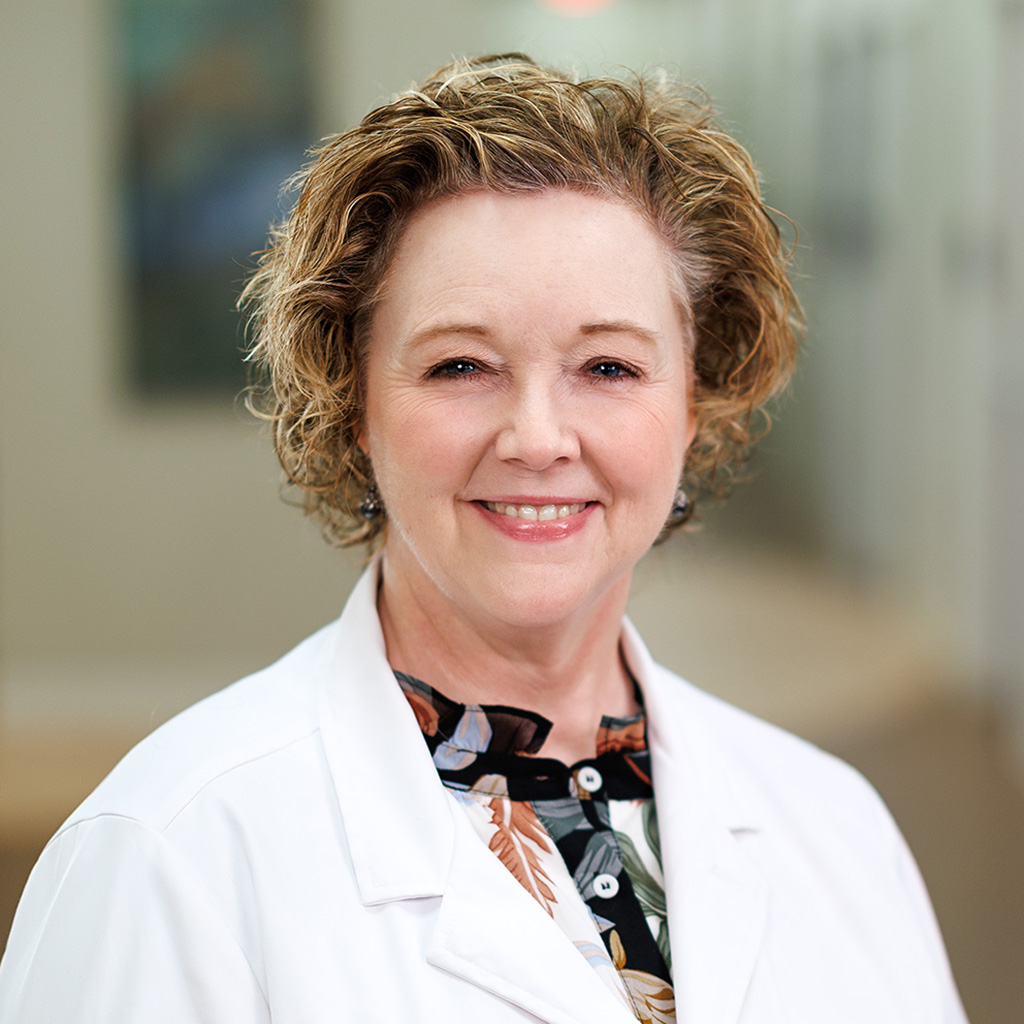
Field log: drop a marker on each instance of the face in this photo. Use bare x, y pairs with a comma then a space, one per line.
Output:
526, 405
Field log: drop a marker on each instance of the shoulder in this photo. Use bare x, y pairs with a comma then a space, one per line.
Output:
843, 882
168, 858
772, 773
243, 728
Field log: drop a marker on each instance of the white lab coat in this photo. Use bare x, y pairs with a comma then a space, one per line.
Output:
284, 851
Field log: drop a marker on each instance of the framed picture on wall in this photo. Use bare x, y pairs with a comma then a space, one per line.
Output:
218, 116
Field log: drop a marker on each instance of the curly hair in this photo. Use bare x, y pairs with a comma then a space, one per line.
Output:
508, 124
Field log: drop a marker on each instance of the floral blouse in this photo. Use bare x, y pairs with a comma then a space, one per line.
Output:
582, 840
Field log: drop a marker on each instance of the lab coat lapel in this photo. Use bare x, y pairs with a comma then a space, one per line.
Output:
398, 821
717, 908
493, 933
716, 898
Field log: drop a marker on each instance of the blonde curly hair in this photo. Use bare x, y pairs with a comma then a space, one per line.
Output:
508, 124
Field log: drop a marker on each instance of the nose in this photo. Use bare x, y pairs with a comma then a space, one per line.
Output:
537, 431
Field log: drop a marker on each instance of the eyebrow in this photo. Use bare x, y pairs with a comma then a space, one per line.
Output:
444, 330
621, 327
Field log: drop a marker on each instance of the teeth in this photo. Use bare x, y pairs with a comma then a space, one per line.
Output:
535, 513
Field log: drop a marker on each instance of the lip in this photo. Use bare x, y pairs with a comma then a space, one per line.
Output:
529, 530
533, 499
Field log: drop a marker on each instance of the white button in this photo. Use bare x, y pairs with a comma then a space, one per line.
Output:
606, 886
589, 778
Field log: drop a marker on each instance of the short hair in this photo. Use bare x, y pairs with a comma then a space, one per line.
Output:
508, 124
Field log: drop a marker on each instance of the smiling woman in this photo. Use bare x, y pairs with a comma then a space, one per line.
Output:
511, 128
511, 320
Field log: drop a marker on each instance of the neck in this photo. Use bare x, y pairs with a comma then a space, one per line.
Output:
570, 671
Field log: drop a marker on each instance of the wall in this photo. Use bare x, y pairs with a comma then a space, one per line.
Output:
130, 535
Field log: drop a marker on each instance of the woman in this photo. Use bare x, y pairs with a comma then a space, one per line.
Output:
510, 322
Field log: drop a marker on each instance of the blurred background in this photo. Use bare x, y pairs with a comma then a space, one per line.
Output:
865, 587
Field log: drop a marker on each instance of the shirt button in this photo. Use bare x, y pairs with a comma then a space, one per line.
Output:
606, 886
589, 778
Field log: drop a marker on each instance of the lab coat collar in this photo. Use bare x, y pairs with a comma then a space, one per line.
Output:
406, 843
682, 742
398, 817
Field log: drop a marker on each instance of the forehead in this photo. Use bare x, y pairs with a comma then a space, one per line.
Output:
496, 251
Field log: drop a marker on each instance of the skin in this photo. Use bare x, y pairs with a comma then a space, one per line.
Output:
527, 349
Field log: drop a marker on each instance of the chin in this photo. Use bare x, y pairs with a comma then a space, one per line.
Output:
541, 599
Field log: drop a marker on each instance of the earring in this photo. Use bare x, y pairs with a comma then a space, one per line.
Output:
371, 506
681, 508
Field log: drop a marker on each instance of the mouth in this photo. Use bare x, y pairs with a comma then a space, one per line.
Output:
536, 513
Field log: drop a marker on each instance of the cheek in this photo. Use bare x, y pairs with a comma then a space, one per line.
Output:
419, 445
647, 437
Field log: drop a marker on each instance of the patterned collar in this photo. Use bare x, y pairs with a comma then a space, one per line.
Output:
470, 742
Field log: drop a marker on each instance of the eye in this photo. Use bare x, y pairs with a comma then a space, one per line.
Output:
612, 369
455, 368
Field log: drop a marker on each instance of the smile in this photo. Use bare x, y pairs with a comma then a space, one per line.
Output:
534, 513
